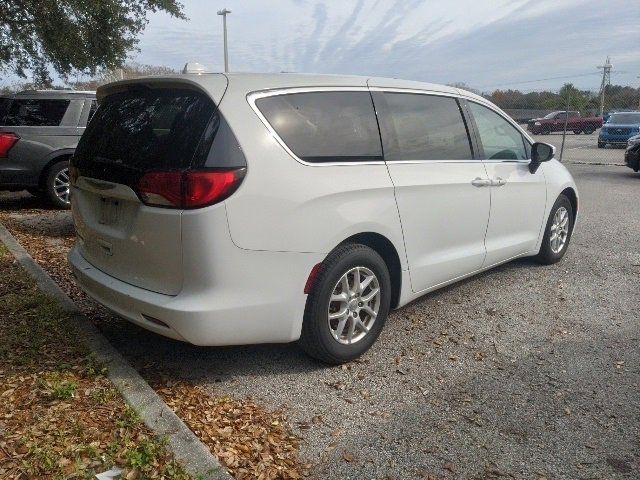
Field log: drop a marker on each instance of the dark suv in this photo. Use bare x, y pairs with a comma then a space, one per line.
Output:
39, 131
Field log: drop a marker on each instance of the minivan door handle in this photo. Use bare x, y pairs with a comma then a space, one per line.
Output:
481, 182
498, 182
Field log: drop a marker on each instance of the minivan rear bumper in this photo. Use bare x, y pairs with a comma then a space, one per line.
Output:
267, 309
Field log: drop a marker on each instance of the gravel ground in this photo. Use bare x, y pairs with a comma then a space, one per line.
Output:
524, 371
584, 148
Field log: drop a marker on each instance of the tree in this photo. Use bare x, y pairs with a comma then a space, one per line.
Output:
72, 35
585, 101
129, 70
464, 86
580, 100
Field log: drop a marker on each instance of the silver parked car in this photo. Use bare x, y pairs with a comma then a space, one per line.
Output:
39, 131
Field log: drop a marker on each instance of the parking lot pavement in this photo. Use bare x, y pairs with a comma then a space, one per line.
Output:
583, 148
523, 371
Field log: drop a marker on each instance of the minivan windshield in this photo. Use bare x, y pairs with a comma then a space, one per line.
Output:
143, 129
622, 118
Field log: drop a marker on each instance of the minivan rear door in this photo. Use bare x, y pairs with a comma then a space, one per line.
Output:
139, 127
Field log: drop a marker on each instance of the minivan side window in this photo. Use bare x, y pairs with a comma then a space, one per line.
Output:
500, 140
326, 126
36, 112
422, 127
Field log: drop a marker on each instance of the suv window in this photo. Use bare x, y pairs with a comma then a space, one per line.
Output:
500, 140
31, 112
325, 126
4, 108
422, 127
92, 110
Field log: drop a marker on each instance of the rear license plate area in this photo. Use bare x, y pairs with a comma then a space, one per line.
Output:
109, 211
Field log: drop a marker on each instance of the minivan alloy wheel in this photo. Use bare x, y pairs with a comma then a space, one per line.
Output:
61, 185
354, 305
559, 230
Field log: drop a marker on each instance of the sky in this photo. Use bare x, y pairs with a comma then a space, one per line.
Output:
486, 44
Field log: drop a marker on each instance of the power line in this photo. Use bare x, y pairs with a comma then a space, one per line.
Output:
542, 80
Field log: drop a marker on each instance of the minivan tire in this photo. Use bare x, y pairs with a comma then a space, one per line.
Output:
548, 255
316, 338
50, 184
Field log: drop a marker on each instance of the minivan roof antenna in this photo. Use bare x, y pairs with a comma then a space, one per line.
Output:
194, 67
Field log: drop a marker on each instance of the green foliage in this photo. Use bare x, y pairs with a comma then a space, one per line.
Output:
127, 71
72, 35
616, 97
145, 454
569, 96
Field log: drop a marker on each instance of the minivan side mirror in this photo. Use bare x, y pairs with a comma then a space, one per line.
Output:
540, 152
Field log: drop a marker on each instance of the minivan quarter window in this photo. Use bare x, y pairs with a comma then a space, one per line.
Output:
422, 127
325, 126
500, 139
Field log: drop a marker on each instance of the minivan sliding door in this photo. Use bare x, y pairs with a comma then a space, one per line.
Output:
441, 190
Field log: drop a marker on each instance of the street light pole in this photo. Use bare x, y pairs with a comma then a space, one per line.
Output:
224, 13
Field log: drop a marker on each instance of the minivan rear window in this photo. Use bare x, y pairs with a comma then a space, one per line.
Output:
31, 112
322, 127
144, 129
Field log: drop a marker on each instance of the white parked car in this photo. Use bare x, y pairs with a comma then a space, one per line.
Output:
245, 208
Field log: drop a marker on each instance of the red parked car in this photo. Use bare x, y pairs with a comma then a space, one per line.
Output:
554, 122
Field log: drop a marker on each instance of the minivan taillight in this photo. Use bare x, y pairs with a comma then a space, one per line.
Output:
7, 141
190, 189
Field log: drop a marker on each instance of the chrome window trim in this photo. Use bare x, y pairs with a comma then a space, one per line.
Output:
254, 96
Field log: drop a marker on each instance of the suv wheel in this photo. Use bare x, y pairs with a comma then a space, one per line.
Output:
589, 130
557, 233
348, 306
57, 185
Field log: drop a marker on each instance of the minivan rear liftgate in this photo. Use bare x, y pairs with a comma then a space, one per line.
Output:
152, 150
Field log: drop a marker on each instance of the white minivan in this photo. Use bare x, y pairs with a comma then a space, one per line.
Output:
224, 209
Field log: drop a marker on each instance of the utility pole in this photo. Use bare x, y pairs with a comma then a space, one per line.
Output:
606, 80
638, 95
566, 119
224, 13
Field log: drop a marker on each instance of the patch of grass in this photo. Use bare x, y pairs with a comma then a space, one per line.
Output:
61, 416
129, 418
